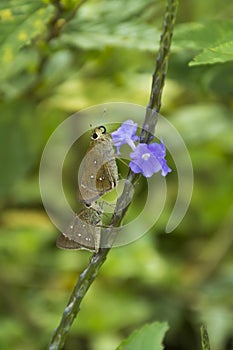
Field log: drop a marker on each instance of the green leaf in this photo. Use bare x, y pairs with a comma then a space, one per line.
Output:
203, 35
104, 24
149, 337
20, 24
129, 35
218, 54
215, 38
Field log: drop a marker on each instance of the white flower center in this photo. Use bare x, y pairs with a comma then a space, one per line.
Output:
146, 156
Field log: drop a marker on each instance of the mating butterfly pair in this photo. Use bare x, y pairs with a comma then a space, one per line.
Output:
99, 176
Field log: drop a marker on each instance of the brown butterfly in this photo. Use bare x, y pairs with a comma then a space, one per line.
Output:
83, 232
99, 173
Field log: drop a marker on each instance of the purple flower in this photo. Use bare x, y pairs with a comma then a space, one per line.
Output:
149, 159
146, 159
126, 133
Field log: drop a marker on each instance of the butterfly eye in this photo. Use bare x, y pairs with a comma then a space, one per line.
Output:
88, 205
95, 136
103, 129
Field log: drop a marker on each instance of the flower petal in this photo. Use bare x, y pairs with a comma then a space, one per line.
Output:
165, 167
126, 133
133, 166
149, 159
158, 150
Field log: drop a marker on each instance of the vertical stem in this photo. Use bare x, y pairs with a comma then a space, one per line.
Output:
161, 65
160, 72
205, 342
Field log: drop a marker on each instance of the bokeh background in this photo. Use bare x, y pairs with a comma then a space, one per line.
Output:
58, 57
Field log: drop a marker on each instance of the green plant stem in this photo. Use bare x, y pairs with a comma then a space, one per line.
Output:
161, 65
205, 342
89, 274
158, 77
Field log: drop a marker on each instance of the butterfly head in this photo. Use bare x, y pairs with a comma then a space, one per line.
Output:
98, 132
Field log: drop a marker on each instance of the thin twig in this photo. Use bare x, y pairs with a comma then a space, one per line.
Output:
89, 274
59, 20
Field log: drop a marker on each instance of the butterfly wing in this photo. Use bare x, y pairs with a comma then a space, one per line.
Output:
99, 173
64, 242
82, 232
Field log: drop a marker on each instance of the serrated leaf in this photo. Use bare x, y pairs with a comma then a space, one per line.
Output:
149, 337
215, 38
20, 25
218, 54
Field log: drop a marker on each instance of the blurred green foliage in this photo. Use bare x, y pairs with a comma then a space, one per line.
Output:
57, 58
